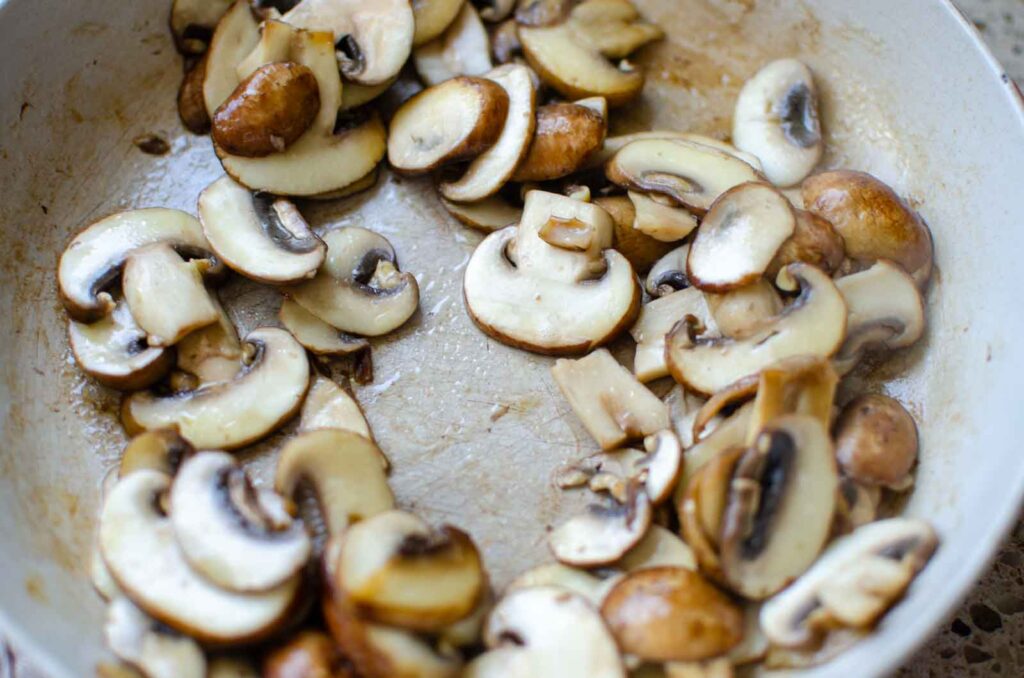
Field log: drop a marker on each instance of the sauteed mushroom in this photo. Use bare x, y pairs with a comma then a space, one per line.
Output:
640, 249
432, 17
604, 533
656, 320
309, 654
153, 649
317, 336
162, 449
876, 442
743, 309
330, 406
463, 49
668, 274
565, 135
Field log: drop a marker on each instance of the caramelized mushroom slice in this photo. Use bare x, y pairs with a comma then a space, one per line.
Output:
114, 351
656, 320
463, 49
876, 442
565, 135
604, 533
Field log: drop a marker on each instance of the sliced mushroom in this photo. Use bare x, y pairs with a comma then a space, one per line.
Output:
872, 220
585, 584
233, 666
640, 249
359, 288
671, 614
490, 170
237, 34
614, 144
505, 45
856, 505
330, 406
191, 104
690, 173
166, 295
487, 215
463, 49
354, 95
799, 385
456, 120
140, 549
852, 584
211, 354
656, 320
659, 548
876, 442
114, 351
702, 505
657, 469
565, 135
151, 648
668, 274
610, 403
258, 235
661, 221
813, 324
373, 40
813, 242
161, 449
779, 512
776, 119
432, 18
228, 531
316, 335
546, 632
886, 311
743, 309
308, 654
527, 293
368, 181
739, 236
95, 257
345, 470
229, 415
495, 10
604, 533
193, 22
398, 570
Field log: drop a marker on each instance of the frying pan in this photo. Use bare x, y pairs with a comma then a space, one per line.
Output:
476, 429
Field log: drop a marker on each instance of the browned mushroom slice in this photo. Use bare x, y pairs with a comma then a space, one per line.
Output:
432, 18
702, 505
813, 324
456, 120
489, 214
693, 174
873, 221
565, 135
813, 242
799, 385
191, 104
640, 249
114, 351
604, 533
779, 512
876, 442
656, 320
316, 335
671, 614
661, 221
463, 49
744, 309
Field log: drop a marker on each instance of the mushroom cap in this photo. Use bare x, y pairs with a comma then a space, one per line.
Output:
225, 530
140, 548
462, 49
114, 351
359, 288
95, 256
154, 650
876, 441
228, 415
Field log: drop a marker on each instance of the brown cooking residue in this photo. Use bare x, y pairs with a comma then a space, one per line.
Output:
152, 144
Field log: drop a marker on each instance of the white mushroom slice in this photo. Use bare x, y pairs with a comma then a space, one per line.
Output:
495, 10
213, 353
232, 667
455, 120
657, 469
93, 260
316, 335
491, 169
432, 18
886, 311
154, 650
662, 465
373, 39
660, 221
604, 533
258, 235
612, 27
738, 238
193, 23
656, 320
225, 532
690, 173
463, 49
487, 215
354, 95
166, 294
585, 584
728, 433
611, 404
114, 351
345, 470
161, 449
236, 36
659, 548
743, 309
776, 119
368, 181
813, 324
142, 553
99, 575
275, 46
614, 144
359, 289
562, 237
546, 632
779, 511
229, 415
800, 385
330, 406
398, 570
853, 584
668, 274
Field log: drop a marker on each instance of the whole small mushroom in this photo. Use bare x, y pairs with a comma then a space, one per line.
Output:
876, 442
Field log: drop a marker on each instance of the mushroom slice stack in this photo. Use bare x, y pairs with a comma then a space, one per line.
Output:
463, 49
610, 403
668, 274
114, 351
738, 238
605, 532
345, 470
491, 169
546, 632
317, 336
566, 134
886, 311
657, 470
239, 538
656, 320
776, 119
432, 17
487, 215
260, 236
813, 324
193, 22
359, 288
330, 406
153, 649
228, 415
373, 39
140, 548
455, 120
95, 257
692, 174
397, 570
779, 511
525, 292
853, 584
